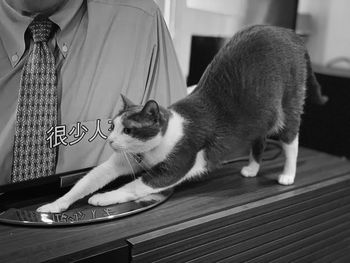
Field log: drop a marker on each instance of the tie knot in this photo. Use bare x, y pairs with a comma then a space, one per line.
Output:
41, 28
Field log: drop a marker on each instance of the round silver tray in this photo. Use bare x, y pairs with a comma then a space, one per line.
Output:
85, 214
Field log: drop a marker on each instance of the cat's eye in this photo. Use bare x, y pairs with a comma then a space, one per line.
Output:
127, 130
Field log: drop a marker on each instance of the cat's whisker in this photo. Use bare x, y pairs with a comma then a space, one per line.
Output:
126, 157
143, 165
137, 162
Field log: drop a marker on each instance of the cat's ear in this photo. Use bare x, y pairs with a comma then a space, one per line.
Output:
126, 102
151, 109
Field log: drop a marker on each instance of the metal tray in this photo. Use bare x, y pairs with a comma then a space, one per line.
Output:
85, 214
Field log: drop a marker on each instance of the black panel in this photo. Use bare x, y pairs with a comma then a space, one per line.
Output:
327, 128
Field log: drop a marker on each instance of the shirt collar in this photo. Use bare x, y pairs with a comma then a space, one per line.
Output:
13, 26
68, 18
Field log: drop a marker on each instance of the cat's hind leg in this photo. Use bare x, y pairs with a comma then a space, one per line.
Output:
257, 149
291, 153
290, 142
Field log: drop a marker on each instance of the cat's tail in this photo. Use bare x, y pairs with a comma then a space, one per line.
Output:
313, 87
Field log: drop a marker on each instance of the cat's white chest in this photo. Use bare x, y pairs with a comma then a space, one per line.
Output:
172, 136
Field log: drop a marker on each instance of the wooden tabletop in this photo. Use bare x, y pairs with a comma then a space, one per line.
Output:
220, 191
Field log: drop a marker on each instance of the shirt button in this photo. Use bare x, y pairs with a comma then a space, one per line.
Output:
64, 48
14, 58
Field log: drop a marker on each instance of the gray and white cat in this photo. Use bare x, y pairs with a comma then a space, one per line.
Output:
253, 88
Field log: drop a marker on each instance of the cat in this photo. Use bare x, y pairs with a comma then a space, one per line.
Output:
254, 87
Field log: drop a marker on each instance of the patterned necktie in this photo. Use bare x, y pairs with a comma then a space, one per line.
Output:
36, 109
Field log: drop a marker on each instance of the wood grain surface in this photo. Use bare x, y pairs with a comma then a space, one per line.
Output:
221, 217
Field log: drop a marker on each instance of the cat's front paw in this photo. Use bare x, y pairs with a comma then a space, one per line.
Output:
109, 198
54, 207
99, 200
286, 179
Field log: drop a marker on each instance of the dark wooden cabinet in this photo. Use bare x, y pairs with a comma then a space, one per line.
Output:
222, 218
